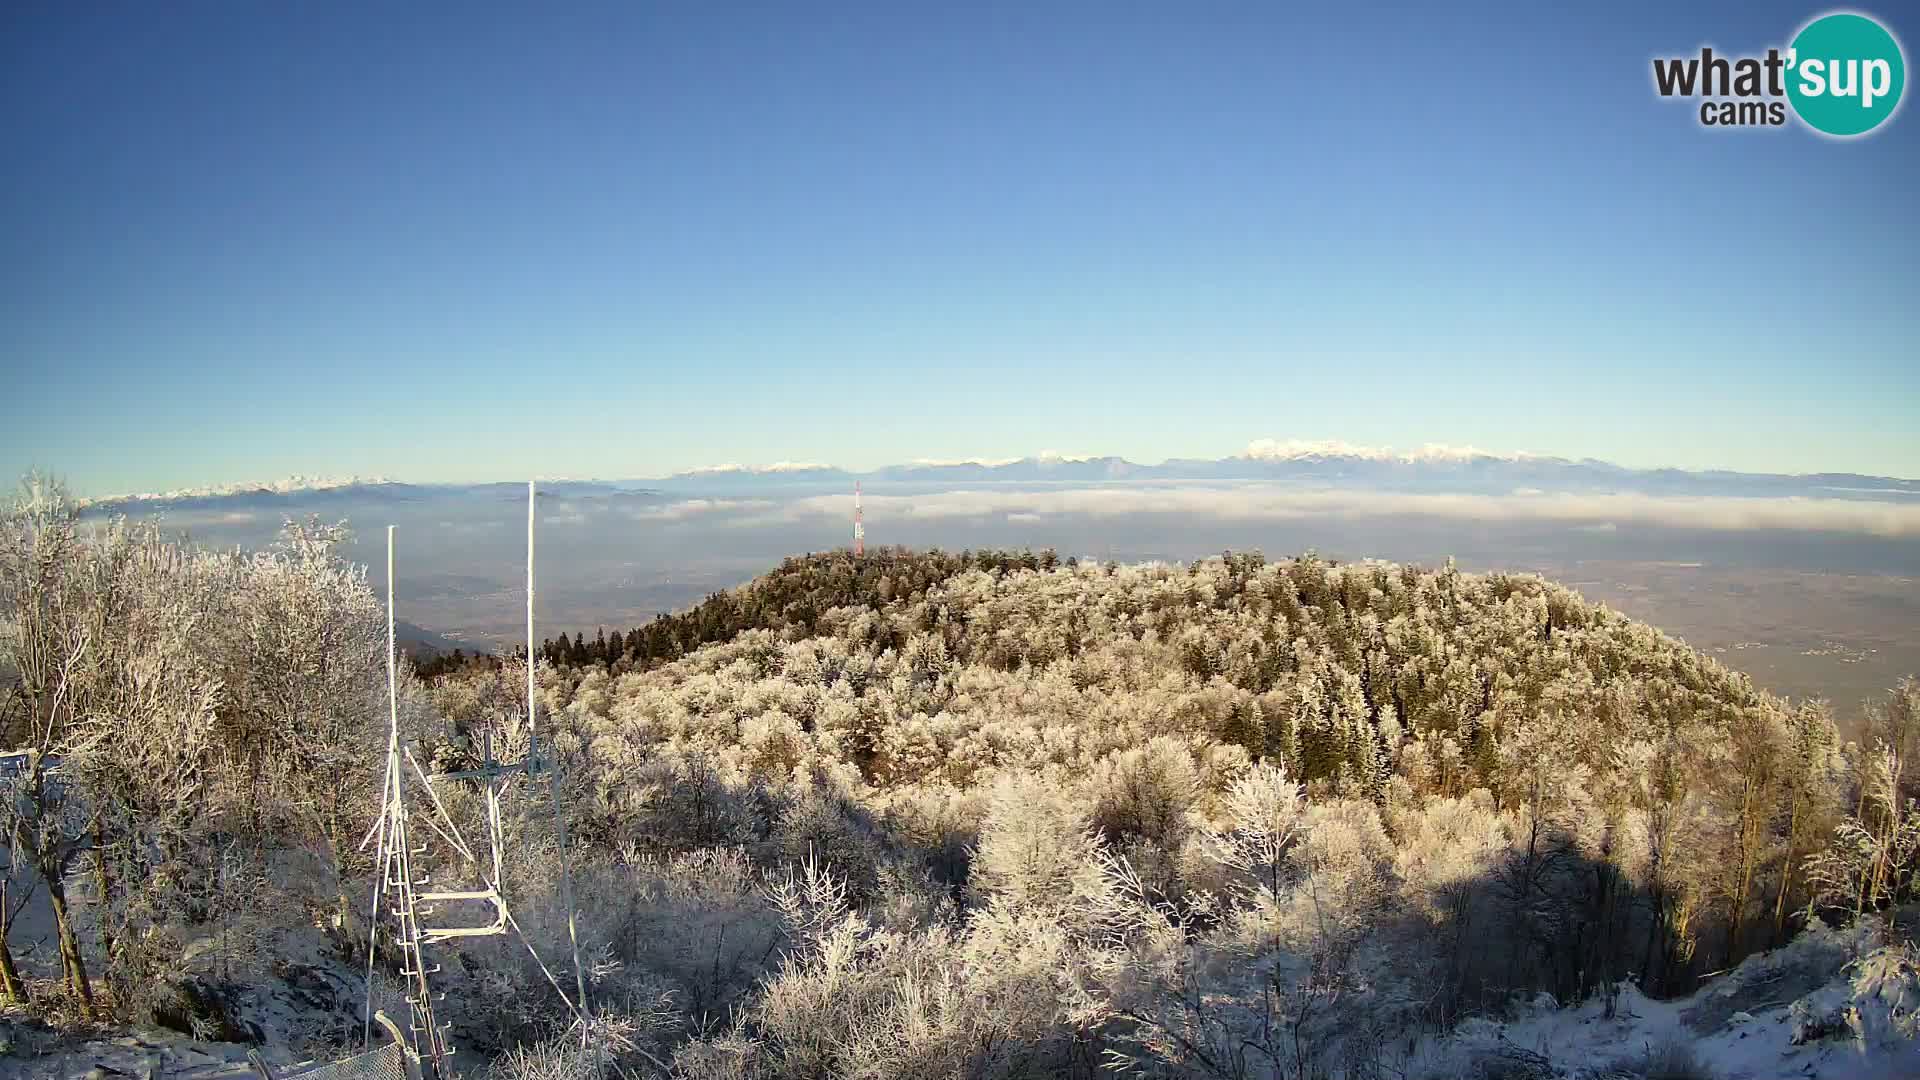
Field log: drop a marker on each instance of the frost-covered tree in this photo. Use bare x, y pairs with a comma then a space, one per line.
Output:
180, 722
1262, 810
1036, 850
305, 720
1810, 790
47, 645
1871, 859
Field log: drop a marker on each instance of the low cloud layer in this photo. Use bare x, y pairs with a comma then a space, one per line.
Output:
694, 509
1252, 503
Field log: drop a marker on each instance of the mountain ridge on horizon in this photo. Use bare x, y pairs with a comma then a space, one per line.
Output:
1433, 467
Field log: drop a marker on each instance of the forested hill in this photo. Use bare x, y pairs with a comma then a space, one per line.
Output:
795, 593
1639, 806
1347, 673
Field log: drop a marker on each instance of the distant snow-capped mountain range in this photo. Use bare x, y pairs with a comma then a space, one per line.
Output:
1434, 468
291, 485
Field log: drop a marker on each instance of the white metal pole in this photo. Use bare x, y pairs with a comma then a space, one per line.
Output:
553, 787
393, 683
386, 791
533, 731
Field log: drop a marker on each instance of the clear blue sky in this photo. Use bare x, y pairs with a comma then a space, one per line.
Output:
241, 240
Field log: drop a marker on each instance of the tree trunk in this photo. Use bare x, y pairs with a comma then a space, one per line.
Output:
103, 887
1749, 826
70, 959
12, 990
339, 852
1656, 929
1786, 871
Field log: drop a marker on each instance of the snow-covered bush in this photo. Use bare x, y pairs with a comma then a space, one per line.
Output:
995, 999
1036, 850
676, 939
1876, 1005
1146, 792
812, 823
559, 1058
1817, 956
1676, 1058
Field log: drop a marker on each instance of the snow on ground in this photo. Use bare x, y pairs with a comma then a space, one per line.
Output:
1834, 1004
163, 1055
307, 1011
1582, 1042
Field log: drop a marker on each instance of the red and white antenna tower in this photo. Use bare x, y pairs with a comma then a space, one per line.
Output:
859, 526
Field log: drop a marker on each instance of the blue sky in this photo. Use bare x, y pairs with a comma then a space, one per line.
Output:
240, 240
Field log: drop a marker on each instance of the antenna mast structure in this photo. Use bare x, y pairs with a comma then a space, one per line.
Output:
399, 889
553, 787
859, 526
399, 885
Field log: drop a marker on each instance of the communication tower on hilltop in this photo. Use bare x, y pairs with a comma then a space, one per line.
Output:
859, 526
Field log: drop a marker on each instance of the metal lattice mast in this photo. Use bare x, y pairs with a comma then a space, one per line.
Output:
423, 1031
399, 895
397, 881
859, 525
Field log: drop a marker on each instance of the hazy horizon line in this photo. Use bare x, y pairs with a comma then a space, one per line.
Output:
1257, 450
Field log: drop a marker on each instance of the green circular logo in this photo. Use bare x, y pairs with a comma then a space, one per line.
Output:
1845, 74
